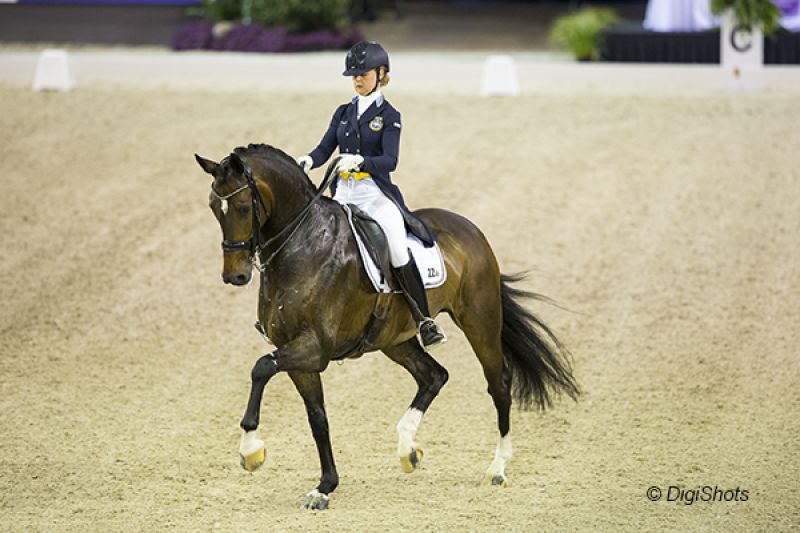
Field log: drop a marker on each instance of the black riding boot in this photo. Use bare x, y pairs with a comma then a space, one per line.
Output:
411, 283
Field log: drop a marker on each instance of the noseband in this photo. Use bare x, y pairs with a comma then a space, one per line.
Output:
254, 244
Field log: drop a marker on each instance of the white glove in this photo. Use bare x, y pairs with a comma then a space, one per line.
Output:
306, 162
349, 163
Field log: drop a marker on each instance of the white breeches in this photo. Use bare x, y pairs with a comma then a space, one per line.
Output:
369, 198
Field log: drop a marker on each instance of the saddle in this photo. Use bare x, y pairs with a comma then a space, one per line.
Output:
376, 243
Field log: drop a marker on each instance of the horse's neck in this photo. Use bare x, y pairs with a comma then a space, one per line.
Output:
290, 197
322, 232
322, 228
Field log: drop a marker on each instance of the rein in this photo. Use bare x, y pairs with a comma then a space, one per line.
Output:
254, 243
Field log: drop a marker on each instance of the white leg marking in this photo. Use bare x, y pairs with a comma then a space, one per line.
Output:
501, 456
250, 443
315, 500
406, 430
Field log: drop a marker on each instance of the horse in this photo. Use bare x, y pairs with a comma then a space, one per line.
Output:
316, 305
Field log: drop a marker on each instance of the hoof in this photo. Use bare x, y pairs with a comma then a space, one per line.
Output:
315, 501
496, 480
251, 451
254, 460
409, 462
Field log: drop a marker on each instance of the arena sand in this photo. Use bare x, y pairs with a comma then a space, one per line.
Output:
667, 226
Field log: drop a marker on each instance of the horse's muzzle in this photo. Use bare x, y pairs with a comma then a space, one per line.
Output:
237, 278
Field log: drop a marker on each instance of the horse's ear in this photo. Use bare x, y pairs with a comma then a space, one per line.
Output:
206, 164
236, 163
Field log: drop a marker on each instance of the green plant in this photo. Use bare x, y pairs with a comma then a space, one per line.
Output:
222, 10
751, 12
294, 15
301, 15
581, 32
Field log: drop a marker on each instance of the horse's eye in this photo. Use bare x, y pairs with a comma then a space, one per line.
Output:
244, 210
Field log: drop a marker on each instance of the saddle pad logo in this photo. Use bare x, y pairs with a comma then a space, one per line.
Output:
376, 124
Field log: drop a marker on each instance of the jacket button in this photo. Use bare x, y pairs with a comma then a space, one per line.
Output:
347, 134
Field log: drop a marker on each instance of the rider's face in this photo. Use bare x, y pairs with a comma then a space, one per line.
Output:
365, 83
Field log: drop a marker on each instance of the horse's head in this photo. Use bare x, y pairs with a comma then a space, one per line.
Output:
241, 206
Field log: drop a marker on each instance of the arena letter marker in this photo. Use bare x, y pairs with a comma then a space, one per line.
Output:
499, 77
52, 71
741, 53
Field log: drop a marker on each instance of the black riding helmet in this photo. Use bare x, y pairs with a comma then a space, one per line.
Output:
363, 57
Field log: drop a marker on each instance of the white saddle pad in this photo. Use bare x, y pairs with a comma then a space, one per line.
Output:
430, 261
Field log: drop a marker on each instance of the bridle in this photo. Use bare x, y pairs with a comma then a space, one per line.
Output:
254, 244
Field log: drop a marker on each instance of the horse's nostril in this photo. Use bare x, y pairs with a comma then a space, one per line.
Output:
236, 279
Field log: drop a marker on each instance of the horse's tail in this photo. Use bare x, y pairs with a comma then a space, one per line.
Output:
539, 363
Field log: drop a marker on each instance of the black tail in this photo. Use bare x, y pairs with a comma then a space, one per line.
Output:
539, 363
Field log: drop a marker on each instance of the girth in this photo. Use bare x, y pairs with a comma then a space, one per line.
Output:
377, 320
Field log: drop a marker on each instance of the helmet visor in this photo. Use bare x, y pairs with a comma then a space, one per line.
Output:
356, 71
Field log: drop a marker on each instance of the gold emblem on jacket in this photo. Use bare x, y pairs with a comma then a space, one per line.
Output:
376, 124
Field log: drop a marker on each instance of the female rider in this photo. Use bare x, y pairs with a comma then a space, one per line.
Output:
367, 132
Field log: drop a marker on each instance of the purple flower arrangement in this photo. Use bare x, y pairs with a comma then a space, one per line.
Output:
252, 38
199, 35
193, 35
788, 7
321, 40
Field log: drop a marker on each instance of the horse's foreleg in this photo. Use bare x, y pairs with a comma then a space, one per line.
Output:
430, 377
301, 354
251, 449
309, 386
262, 372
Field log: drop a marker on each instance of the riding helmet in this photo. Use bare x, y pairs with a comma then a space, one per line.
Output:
363, 57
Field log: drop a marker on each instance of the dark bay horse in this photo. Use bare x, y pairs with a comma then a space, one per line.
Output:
316, 304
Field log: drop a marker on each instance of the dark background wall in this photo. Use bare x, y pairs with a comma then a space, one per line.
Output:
152, 22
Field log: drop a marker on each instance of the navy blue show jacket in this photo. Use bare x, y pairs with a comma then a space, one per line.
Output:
376, 137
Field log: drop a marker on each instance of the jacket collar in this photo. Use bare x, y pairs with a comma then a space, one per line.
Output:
371, 111
364, 102
378, 101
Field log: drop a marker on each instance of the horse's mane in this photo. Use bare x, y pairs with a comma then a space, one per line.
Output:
270, 153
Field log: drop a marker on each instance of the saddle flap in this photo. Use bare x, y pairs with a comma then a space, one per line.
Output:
375, 240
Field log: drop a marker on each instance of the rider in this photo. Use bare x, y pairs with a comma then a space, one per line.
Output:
367, 132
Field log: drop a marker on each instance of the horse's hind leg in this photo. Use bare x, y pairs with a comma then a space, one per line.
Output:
430, 377
482, 321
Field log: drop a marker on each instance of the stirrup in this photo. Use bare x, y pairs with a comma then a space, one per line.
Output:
430, 335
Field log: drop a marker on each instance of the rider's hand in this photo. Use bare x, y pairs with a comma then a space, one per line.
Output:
306, 162
350, 163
